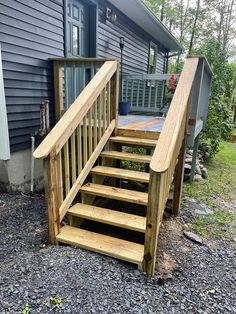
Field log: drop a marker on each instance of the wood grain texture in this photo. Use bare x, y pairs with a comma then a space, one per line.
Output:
121, 173
175, 119
115, 193
126, 156
121, 249
85, 171
134, 141
108, 216
75, 114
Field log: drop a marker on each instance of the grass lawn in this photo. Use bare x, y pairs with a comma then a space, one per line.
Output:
219, 188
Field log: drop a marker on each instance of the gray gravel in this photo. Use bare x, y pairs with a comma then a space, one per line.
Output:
200, 279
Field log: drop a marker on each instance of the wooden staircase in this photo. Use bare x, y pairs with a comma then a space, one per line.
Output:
82, 156
114, 246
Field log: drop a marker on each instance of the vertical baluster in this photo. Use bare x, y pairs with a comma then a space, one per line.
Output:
99, 119
67, 167
73, 158
79, 145
95, 124
85, 139
104, 106
83, 69
66, 86
156, 91
90, 136
132, 92
60, 178
144, 93
74, 82
108, 103
92, 70
150, 93
138, 90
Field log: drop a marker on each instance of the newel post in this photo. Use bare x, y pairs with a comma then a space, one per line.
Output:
58, 89
154, 214
52, 196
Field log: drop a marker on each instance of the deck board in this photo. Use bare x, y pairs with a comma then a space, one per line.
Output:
141, 123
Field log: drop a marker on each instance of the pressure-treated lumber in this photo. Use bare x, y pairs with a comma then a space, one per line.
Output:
86, 169
126, 156
121, 249
58, 88
121, 173
115, 193
175, 119
108, 216
154, 216
75, 114
52, 196
134, 141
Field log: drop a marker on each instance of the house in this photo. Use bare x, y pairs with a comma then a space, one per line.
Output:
32, 32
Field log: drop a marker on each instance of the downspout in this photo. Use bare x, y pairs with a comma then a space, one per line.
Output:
32, 164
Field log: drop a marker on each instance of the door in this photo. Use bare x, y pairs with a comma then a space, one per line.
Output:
77, 29
77, 46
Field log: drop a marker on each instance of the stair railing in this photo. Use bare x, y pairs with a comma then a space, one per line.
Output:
74, 144
167, 161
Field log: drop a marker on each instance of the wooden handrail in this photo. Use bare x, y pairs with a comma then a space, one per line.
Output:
62, 131
165, 147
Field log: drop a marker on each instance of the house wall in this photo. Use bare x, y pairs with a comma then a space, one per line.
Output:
31, 31
137, 41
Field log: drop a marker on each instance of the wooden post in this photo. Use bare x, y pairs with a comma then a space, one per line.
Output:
115, 97
58, 89
154, 210
194, 159
178, 179
52, 196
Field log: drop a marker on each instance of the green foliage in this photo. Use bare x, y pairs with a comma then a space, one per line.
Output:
219, 122
220, 224
222, 179
217, 192
26, 309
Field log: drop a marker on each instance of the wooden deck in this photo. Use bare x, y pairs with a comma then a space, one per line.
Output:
140, 125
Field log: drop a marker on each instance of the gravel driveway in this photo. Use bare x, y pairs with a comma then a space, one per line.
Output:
36, 278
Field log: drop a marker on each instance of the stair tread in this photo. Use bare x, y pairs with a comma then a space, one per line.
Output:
114, 247
134, 141
108, 216
127, 156
116, 193
122, 173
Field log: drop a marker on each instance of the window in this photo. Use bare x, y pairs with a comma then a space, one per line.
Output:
76, 50
152, 58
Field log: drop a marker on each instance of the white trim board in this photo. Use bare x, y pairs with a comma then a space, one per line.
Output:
4, 134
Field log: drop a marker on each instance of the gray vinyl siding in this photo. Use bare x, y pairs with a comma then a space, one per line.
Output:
137, 42
31, 31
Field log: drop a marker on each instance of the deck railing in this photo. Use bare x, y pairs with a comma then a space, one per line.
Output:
167, 161
74, 144
145, 92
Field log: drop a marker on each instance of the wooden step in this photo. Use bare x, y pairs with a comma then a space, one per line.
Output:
121, 249
127, 156
122, 173
134, 141
108, 216
115, 193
